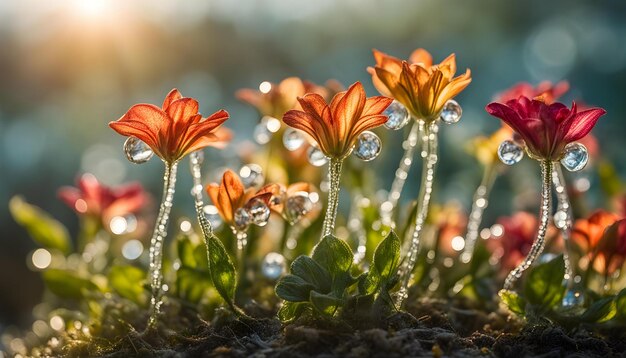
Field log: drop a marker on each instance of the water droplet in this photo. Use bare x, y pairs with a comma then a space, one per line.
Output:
575, 157
273, 266
292, 139
132, 249
560, 219
316, 157
242, 218
259, 212
451, 112
510, 152
368, 146
573, 299
197, 156
398, 116
137, 151
297, 205
251, 175
212, 214
262, 134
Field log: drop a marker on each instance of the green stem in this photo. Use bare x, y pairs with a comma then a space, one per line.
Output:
156, 242
333, 197
544, 214
430, 157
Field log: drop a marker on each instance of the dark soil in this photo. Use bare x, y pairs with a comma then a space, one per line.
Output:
433, 329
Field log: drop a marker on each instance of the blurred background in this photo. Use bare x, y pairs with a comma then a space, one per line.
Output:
68, 67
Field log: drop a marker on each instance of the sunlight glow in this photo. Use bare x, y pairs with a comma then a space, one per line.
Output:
91, 8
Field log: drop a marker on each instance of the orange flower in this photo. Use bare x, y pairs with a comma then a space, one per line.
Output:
275, 99
174, 130
335, 127
230, 196
588, 232
611, 250
423, 88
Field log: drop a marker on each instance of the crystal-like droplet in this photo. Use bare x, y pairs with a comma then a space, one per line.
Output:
251, 175
137, 151
368, 146
292, 139
242, 219
510, 152
197, 156
316, 157
259, 212
573, 299
297, 205
575, 157
273, 266
398, 116
451, 112
212, 214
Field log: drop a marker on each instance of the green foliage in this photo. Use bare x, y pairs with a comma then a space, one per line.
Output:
222, 271
68, 284
193, 278
42, 228
513, 301
322, 284
128, 281
543, 288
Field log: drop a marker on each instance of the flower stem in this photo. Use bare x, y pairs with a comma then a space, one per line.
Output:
564, 220
387, 208
480, 203
429, 155
333, 197
544, 215
196, 174
156, 242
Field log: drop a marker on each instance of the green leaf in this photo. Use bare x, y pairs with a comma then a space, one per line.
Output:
185, 250
222, 270
291, 311
312, 273
600, 311
67, 284
620, 305
293, 288
387, 256
544, 285
333, 254
127, 281
192, 284
324, 304
42, 228
513, 301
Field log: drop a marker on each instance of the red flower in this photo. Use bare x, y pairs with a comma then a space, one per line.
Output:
96, 200
611, 250
546, 129
546, 91
335, 127
518, 234
174, 130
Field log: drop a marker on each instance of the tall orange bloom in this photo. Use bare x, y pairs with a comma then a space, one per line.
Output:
335, 127
230, 196
423, 88
174, 130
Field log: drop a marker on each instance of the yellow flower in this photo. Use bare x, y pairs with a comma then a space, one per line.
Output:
423, 88
485, 149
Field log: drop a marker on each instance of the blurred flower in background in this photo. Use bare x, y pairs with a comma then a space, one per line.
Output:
69, 67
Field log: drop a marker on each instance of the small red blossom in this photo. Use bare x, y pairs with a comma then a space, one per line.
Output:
93, 199
545, 128
174, 130
518, 234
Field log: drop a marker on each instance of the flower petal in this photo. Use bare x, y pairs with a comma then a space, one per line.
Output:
581, 124
171, 97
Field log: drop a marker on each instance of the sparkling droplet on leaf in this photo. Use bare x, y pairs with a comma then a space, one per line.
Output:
398, 116
575, 157
259, 212
368, 146
316, 157
451, 112
273, 266
510, 152
137, 151
292, 139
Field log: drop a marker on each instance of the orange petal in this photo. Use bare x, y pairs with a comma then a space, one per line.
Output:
182, 109
421, 56
230, 192
171, 97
